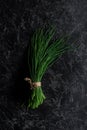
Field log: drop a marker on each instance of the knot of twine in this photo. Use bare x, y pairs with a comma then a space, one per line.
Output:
32, 84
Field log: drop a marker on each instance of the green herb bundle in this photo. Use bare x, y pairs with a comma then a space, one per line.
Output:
42, 53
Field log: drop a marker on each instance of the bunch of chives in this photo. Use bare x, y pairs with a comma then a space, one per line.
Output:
42, 53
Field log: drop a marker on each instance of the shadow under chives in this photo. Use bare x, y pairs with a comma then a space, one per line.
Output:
20, 92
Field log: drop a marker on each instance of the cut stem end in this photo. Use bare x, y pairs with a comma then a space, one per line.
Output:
37, 98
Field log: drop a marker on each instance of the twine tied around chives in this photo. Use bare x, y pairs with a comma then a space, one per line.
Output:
32, 84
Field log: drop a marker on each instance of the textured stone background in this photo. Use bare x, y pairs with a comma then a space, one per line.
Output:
65, 83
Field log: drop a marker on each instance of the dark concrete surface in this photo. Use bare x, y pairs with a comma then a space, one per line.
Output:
64, 84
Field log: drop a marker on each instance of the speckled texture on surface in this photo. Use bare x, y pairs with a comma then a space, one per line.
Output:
65, 83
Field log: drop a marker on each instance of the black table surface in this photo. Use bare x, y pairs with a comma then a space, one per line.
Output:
64, 84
